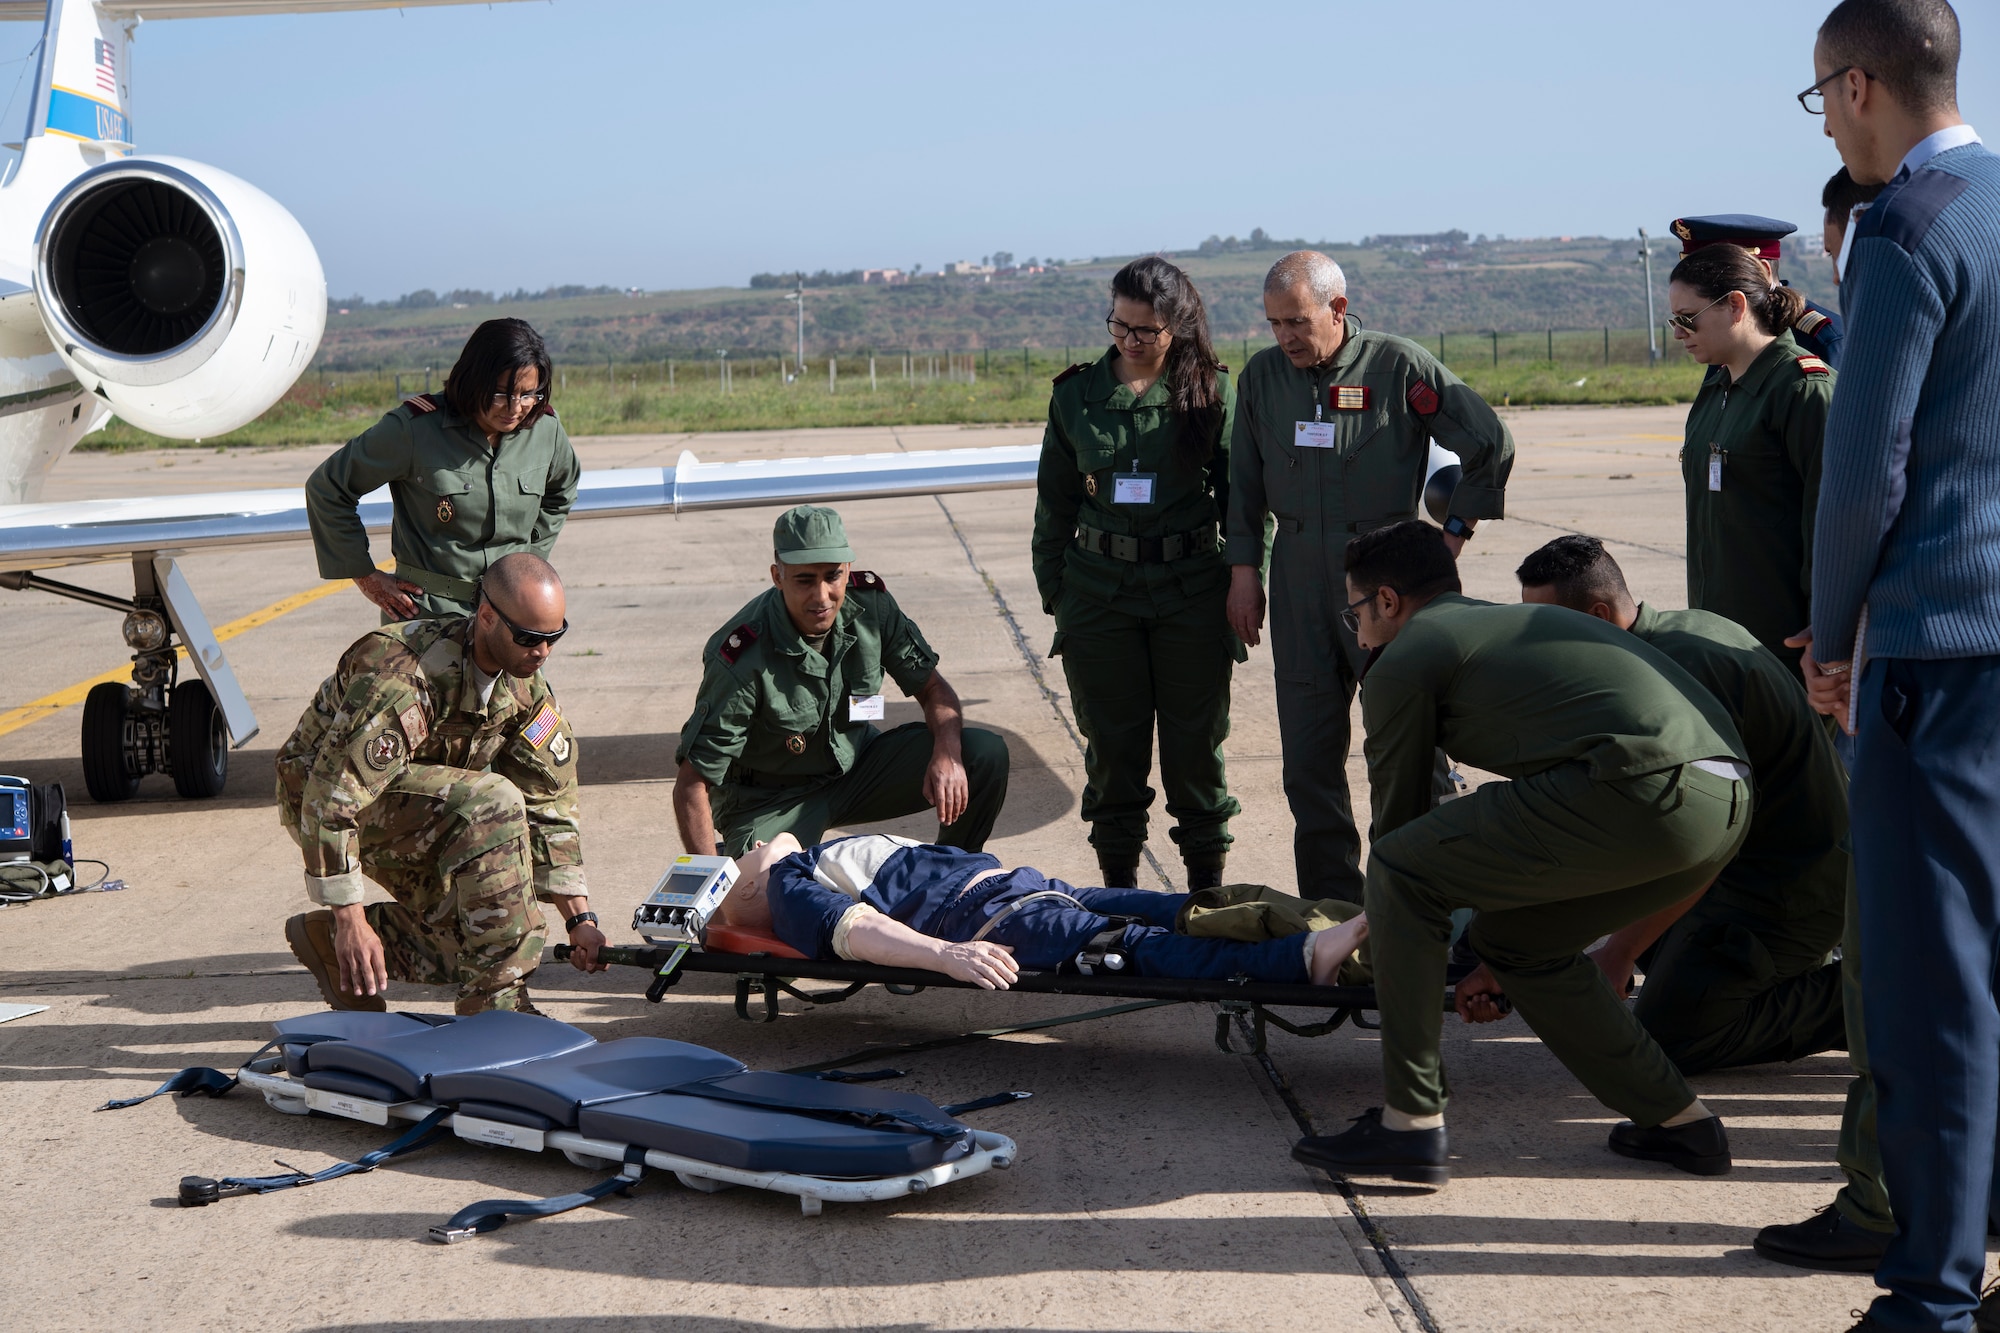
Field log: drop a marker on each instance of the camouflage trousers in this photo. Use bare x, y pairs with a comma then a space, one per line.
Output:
451, 847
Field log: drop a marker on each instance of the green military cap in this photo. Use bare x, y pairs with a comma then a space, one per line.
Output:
810, 535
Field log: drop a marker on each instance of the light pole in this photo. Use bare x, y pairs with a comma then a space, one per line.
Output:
1652, 331
798, 296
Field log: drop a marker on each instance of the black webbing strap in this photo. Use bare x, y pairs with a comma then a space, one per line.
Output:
208, 1082
985, 1103
491, 1214
199, 1191
867, 1116
858, 1075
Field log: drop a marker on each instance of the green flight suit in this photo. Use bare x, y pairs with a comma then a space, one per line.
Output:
1608, 819
1137, 591
1749, 544
1743, 978
1386, 398
459, 504
771, 730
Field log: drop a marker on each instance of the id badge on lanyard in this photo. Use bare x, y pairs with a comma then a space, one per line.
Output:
1314, 434
1134, 487
1715, 457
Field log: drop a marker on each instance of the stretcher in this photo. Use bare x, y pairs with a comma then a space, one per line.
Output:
528, 1082
762, 964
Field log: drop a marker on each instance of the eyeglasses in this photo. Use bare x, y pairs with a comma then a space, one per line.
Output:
1813, 99
1120, 331
519, 399
1351, 617
1686, 322
526, 638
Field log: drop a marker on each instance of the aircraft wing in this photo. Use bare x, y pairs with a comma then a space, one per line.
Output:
40, 536
219, 9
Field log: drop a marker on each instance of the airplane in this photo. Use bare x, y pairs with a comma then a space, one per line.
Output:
186, 301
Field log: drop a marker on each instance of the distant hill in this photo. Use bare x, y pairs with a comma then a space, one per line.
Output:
1580, 283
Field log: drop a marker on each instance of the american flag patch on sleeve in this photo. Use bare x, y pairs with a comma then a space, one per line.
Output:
544, 725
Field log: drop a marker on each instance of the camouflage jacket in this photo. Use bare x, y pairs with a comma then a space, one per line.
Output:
404, 698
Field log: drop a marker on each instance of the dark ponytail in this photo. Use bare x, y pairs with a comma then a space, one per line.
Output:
1716, 270
1191, 365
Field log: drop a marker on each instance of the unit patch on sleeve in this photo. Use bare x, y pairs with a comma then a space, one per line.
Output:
1812, 365
739, 639
383, 749
1351, 398
867, 580
542, 726
1423, 399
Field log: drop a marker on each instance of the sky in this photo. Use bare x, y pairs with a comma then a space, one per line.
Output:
663, 145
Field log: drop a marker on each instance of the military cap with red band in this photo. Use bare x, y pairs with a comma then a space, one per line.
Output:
1760, 236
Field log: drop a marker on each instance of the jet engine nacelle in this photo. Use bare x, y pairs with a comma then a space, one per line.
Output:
185, 298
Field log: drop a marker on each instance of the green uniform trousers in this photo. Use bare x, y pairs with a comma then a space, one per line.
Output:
1551, 863
886, 782
1863, 1200
451, 847
430, 606
1314, 733
1730, 985
1128, 677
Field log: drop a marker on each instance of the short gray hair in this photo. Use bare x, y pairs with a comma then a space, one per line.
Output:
1312, 268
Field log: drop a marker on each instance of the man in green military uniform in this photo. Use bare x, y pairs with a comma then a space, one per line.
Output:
435, 762
1741, 977
782, 737
1331, 440
1629, 791
475, 473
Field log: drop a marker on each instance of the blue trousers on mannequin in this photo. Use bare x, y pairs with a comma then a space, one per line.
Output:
1926, 827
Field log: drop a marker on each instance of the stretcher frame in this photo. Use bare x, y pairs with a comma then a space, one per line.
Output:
772, 975
290, 1096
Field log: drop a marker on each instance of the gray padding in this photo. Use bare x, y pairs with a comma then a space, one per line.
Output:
354, 1085
407, 1062
558, 1087
752, 1138
345, 1024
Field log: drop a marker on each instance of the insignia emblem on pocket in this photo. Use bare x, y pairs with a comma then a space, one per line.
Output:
796, 744
444, 510
1090, 484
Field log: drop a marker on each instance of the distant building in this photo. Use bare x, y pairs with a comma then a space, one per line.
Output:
965, 268
1419, 242
888, 277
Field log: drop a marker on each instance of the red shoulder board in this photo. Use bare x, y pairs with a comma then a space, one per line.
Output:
1809, 321
739, 639
1422, 398
1076, 369
866, 579
1812, 365
422, 403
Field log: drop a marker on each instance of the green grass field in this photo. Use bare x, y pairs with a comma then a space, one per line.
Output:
941, 388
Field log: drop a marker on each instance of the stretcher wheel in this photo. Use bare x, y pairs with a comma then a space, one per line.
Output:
810, 1205
108, 772
587, 1161
197, 742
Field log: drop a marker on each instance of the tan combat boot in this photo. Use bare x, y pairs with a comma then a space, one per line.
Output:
311, 936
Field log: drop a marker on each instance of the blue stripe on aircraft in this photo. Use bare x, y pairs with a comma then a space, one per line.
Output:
83, 117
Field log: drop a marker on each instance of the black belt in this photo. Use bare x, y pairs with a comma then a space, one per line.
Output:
1147, 550
1356, 527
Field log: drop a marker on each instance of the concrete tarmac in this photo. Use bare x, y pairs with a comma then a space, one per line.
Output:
1154, 1190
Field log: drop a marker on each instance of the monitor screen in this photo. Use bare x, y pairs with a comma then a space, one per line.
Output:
686, 880
13, 815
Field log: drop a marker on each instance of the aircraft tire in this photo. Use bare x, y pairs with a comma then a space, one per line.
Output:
107, 773
197, 742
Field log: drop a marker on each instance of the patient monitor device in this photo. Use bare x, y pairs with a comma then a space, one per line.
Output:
677, 911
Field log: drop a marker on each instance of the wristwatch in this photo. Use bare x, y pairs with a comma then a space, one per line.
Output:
570, 925
1458, 528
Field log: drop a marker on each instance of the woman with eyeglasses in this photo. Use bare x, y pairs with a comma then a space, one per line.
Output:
477, 472
1752, 452
1134, 477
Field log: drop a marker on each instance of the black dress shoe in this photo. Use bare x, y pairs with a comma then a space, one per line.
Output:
1370, 1150
1699, 1147
1986, 1319
1828, 1241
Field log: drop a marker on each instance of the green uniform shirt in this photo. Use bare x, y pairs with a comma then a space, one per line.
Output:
459, 505
1386, 399
405, 695
773, 711
1749, 544
1098, 428
1520, 689
1791, 860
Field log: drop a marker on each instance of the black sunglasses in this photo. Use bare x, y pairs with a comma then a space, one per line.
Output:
526, 638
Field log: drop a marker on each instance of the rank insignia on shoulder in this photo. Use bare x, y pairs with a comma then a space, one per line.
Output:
1422, 398
796, 744
867, 580
546, 722
739, 639
1076, 369
1812, 365
1809, 321
411, 720
423, 404
1350, 398
445, 511
383, 750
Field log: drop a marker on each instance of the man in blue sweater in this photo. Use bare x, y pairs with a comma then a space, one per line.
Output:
1906, 597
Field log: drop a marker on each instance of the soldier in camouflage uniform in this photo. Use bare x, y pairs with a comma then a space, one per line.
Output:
436, 762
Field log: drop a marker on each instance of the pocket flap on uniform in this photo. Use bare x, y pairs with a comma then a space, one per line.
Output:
534, 483
1056, 645
442, 482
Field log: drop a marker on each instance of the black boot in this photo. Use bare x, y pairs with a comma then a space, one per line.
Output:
1206, 875
1118, 874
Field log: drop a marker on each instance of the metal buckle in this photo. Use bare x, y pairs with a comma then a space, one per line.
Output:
447, 1235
